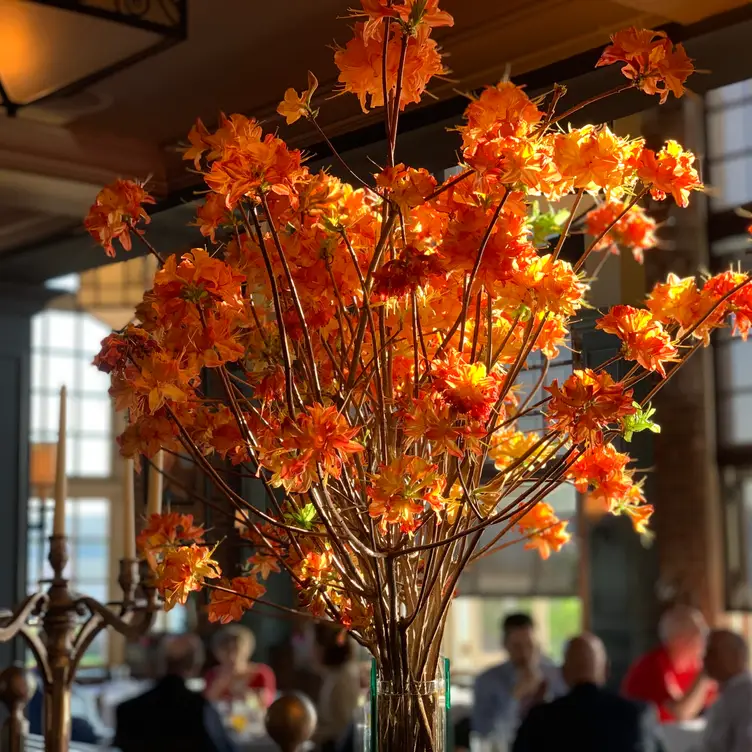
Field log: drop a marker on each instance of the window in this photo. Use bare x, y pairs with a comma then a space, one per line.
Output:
729, 132
473, 638
64, 341
63, 345
88, 526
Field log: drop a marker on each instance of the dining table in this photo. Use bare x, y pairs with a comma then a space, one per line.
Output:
683, 736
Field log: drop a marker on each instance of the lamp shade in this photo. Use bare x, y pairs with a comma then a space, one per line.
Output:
52, 46
42, 466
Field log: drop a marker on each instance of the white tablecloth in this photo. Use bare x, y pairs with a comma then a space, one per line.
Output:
683, 737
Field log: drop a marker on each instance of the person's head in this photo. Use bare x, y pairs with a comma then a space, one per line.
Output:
518, 633
181, 655
233, 645
333, 647
726, 655
585, 661
683, 632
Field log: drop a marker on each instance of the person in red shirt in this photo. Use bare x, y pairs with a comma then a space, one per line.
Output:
672, 676
236, 676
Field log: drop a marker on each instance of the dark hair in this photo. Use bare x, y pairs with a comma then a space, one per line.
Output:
516, 621
336, 646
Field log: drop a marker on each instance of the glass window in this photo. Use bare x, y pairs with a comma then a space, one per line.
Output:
63, 345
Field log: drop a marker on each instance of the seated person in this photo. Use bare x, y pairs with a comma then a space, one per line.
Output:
340, 689
729, 726
235, 676
589, 718
671, 676
503, 694
170, 717
82, 729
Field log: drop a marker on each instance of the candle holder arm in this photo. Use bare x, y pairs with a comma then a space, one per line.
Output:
12, 622
131, 625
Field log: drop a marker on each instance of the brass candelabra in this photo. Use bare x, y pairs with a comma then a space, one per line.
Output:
59, 625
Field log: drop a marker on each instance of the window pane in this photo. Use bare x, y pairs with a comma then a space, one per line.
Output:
61, 329
731, 93
736, 419
93, 516
92, 333
90, 559
734, 365
727, 130
94, 381
731, 182
94, 458
93, 416
61, 371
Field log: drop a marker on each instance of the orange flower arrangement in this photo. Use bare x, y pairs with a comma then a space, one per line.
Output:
367, 342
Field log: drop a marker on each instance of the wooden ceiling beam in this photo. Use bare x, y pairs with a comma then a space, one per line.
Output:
683, 11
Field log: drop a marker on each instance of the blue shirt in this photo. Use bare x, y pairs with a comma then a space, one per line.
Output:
494, 705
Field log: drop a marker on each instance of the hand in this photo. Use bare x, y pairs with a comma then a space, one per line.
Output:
528, 683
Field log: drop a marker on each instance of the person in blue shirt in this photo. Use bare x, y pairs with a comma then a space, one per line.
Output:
504, 693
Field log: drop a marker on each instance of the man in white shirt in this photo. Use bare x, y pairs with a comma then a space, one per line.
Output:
729, 726
504, 693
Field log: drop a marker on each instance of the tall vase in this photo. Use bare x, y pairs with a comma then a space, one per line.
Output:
409, 716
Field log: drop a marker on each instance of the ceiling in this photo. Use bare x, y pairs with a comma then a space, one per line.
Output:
240, 56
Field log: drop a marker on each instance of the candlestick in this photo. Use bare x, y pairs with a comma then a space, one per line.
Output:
129, 513
154, 501
61, 486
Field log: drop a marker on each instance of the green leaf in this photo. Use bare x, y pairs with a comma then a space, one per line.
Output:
640, 421
303, 517
544, 225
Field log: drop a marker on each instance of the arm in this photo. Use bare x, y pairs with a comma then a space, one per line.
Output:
340, 709
689, 706
264, 680
491, 700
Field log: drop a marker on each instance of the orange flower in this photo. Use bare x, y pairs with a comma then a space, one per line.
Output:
168, 530
263, 564
412, 13
545, 531
597, 465
225, 607
295, 106
593, 158
318, 441
116, 211
546, 284
360, 65
643, 337
182, 571
586, 403
407, 273
400, 491
210, 215
669, 171
503, 110
651, 61
509, 445
429, 420
635, 230
406, 186
640, 515
467, 387
675, 300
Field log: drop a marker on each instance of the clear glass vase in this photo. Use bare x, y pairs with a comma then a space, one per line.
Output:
411, 717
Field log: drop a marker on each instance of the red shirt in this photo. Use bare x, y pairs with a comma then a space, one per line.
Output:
653, 678
260, 678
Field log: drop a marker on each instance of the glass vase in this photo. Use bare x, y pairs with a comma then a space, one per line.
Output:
409, 717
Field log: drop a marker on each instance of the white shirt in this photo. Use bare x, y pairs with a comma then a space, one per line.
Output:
729, 726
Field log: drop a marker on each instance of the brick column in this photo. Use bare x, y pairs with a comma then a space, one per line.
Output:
685, 488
